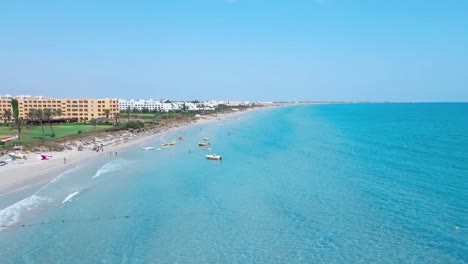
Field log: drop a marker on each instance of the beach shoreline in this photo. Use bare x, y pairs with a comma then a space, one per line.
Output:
20, 174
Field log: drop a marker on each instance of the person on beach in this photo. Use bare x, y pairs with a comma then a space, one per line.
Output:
64, 160
116, 153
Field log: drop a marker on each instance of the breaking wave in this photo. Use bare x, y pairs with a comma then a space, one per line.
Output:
69, 198
12, 213
110, 167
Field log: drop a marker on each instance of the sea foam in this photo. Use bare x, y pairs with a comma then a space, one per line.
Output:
70, 197
109, 167
12, 213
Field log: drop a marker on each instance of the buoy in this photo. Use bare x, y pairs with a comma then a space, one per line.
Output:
457, 228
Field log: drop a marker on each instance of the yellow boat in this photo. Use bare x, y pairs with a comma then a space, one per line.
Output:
168, 144
206, 139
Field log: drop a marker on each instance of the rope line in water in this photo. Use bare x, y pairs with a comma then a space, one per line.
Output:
64, 221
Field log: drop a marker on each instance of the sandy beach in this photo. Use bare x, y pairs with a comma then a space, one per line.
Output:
19, 173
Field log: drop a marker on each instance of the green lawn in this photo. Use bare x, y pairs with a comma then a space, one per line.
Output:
34, 133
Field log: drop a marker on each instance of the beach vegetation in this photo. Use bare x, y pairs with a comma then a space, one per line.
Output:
135, 124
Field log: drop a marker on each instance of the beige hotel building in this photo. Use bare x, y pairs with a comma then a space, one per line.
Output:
83, 108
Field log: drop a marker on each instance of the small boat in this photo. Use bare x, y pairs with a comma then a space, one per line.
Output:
168, 144
3, 163
201, 144
148, 148
214, 157
17, 155
207, 149
181, 138
206, 139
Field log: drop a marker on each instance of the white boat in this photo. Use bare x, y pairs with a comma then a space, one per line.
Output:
214, 157
148, 148
17, 155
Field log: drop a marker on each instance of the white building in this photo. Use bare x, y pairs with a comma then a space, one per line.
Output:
150, 104
154, 105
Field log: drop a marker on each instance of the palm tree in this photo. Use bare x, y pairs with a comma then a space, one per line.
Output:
49, 114
7, 115
128, 111
117, 117
106, 113
31, 115
37, 114
19, 124
58, 112
19, 121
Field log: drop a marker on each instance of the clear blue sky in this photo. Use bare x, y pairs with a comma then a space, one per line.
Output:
405, 50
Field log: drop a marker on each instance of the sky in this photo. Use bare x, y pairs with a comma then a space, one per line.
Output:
275, 50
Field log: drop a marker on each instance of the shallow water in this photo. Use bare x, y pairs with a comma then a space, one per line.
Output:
374, 183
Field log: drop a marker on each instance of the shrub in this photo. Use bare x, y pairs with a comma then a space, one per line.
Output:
52, 136
79, 132
135, 124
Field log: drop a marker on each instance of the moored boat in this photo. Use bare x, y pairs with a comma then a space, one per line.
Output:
168, 144
201, 144
214, 157
3, 163
17, 155
148, 148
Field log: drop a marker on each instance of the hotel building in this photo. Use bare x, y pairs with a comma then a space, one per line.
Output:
82, 109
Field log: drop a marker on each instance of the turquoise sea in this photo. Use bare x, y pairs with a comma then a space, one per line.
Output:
345, 183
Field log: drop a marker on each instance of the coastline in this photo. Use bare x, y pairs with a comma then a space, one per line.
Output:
21, 174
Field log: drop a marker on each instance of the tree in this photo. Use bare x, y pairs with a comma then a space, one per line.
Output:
107, 113
37, 114
128, 111
49, 114
117, 117
93, 122
19, 122
40, 117
58, 112
7, 114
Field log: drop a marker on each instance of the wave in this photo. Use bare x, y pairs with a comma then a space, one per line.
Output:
109, 167
70, 197
56, 179
12, 213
